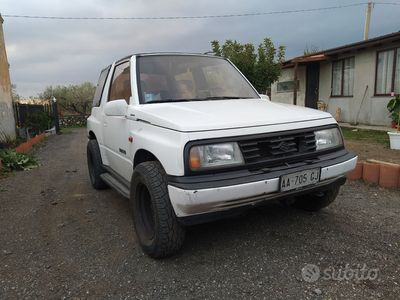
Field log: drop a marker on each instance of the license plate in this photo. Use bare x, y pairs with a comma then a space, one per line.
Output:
299, 179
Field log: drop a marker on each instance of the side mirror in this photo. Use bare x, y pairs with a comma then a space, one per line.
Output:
116, 108
265, 97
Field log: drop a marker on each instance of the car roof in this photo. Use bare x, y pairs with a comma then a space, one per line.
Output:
168, 53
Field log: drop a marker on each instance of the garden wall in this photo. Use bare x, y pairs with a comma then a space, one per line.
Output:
73, 121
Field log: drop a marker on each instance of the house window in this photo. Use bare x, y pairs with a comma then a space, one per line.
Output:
388, 72
286, 86
343, 77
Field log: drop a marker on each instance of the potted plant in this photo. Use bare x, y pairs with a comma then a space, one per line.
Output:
394, 108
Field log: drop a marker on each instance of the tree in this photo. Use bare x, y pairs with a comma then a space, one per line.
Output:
76, 98
14, 94
261, 67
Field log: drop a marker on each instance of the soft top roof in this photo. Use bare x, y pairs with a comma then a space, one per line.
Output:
168, 53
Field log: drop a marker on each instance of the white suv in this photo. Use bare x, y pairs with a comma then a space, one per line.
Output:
187, 139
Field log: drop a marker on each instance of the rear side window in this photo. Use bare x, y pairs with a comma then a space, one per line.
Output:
121, 83
100, 87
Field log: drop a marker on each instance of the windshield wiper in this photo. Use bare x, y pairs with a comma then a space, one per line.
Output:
198, 99
219, 98
168, 100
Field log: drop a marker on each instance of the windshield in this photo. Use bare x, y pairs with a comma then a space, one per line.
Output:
176, 78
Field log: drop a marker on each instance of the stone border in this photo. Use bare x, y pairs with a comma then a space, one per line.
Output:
384, 174
27, 146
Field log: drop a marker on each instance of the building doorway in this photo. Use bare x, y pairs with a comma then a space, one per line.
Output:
312, 85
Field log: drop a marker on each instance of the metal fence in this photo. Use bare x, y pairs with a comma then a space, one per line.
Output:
23, 111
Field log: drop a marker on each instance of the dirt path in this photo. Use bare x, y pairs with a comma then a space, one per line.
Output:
59, 238
370, 150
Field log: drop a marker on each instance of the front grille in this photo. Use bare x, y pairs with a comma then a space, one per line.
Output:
279, 147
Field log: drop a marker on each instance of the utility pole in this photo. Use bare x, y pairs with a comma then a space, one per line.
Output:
367, 20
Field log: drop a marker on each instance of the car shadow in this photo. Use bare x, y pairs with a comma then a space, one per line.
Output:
270, 225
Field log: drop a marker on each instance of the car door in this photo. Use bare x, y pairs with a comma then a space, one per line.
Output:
116, 128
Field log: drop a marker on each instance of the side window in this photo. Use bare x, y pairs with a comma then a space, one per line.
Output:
121, 83
100, 87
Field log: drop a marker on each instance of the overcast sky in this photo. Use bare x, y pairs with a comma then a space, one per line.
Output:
62, 52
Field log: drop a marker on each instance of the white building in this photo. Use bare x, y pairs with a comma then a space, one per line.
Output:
7, 121
359, 79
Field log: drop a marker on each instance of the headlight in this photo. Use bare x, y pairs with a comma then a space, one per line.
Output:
328, 138
214, 156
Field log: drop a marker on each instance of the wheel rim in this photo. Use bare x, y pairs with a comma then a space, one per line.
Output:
145, 216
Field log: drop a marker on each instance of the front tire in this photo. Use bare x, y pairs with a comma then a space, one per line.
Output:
95, 166
316, 201
157, 228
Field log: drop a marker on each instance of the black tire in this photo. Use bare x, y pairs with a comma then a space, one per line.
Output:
157, 228
317, 201
95, 165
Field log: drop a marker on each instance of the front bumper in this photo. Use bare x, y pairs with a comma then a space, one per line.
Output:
214, 194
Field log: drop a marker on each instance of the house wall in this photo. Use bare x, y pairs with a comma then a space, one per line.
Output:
7, 121
287, 97
363, 107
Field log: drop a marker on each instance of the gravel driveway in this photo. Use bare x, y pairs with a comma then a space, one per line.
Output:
59, 238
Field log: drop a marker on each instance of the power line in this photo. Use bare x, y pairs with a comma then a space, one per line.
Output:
199, 17
386, 3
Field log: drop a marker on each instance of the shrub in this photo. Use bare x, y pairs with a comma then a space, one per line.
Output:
38, 121
11, 160
394, 108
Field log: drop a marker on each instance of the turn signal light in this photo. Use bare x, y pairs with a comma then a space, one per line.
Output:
194, 160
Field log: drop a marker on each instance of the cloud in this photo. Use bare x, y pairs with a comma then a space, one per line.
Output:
46, 52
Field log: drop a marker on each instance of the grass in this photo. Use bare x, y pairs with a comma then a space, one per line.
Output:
366, 135
67, 130
74, 126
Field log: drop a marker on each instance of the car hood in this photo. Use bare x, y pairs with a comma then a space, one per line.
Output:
224, 114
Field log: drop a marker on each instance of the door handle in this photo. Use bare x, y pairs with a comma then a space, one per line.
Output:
131, 117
